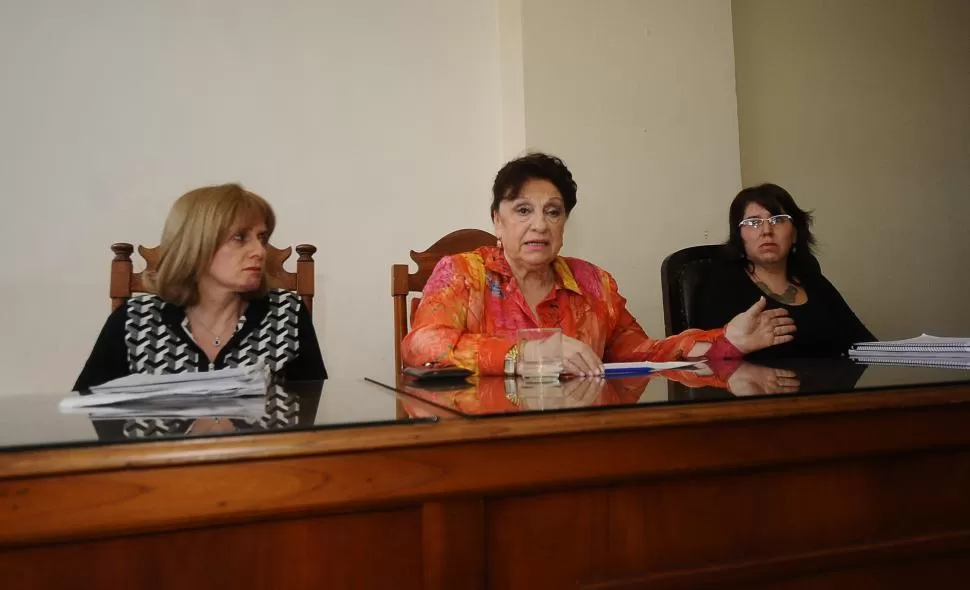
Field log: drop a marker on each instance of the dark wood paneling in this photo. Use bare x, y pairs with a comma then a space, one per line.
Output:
453, 535
143, 500
815, 492
365, 550
724, 519
548, 540
948, 572
905, 563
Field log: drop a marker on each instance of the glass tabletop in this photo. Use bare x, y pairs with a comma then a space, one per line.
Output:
30, 421
479, 397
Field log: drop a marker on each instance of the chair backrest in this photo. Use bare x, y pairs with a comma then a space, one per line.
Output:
680, 273
125, 282
403, 283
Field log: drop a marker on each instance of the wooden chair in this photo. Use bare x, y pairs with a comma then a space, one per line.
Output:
125, 282
403, 283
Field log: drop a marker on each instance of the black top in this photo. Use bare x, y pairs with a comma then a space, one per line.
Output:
148, 335
826, 326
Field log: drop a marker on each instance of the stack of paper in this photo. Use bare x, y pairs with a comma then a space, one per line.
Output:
166, 393
924, 350
242, 408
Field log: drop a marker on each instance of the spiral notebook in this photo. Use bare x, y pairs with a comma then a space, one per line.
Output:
916, 361
922, 343
922, 351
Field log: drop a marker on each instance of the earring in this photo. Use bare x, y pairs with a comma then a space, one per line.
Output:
794, 248
498, 243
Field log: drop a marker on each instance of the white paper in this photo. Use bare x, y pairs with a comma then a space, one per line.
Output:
175, 389
246, 408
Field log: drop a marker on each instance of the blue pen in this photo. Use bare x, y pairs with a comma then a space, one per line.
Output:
627, 371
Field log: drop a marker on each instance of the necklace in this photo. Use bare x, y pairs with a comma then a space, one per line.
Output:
787, 297
217, 338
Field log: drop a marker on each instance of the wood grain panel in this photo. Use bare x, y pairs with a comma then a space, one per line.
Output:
453, 534
685, 523
548, 540
905, 563
364, 550
178, 497
945, 572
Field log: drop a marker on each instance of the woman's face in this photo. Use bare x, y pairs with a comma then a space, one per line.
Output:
768, 244
531, 225
237, 265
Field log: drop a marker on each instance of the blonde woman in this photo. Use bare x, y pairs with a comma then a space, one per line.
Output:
212, 308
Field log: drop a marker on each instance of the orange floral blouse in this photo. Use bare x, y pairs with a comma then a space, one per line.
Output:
488, 395
472, 309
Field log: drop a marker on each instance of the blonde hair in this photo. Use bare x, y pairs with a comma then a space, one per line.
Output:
198, 223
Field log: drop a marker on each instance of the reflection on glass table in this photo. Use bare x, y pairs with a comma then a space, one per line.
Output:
714, 382
34, 420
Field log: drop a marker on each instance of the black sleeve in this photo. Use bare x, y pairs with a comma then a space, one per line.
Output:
308, 364
848, 325
109, 358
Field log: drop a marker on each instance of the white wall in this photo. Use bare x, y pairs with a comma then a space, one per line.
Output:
861, 108
638, 98
372, 126
376, 126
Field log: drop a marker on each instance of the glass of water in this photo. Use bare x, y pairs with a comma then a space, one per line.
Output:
540, 354
540, 395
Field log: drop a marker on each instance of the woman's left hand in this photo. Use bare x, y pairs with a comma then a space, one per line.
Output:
579, 359
758, 328
751, 379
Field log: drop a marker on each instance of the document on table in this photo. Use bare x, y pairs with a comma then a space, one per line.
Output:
643, 367
177, 389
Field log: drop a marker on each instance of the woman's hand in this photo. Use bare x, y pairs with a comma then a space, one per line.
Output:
757, 328
581, 393
579, 359
750, 379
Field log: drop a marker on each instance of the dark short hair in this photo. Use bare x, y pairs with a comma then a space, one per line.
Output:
534, 166
801, 259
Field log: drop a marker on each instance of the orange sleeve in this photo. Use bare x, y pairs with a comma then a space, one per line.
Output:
628, 342
439, 333
694, 380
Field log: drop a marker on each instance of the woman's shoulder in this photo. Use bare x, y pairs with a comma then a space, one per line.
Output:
471, 265
143, 299
280, 301
578, 267
143, 304
587, 276
278, 297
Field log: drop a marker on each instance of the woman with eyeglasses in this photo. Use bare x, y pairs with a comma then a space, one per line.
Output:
769, 252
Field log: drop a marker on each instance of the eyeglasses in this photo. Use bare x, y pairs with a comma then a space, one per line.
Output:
755, 222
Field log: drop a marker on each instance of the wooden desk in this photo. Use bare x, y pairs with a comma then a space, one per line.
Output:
860, 490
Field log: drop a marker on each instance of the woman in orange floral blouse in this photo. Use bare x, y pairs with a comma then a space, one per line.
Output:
475, 303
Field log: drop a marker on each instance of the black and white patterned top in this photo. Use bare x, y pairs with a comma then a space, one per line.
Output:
149, 335
285, 406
